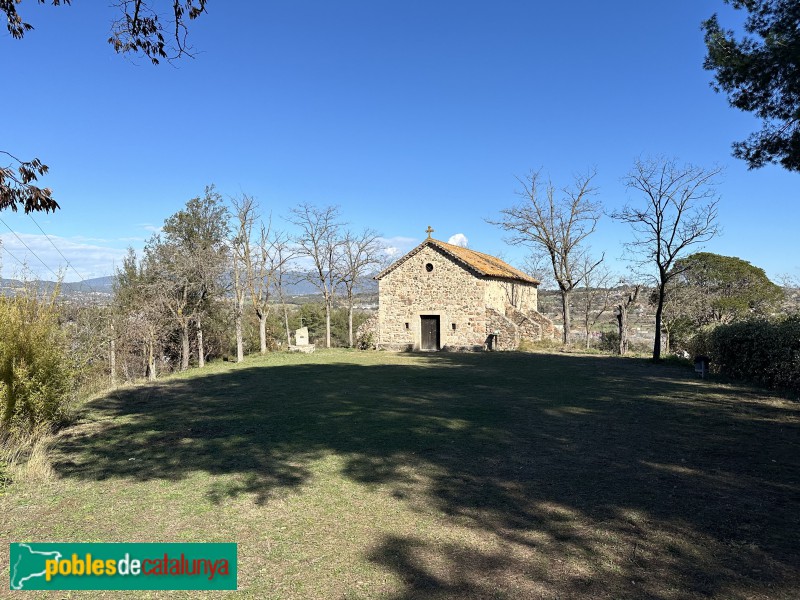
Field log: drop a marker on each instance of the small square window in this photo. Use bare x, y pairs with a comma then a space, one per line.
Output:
454, 326
429, 267
407, 325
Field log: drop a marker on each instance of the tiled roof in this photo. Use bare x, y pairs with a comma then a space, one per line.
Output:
482, 264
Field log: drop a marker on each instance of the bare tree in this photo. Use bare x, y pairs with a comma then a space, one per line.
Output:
281, 254
319, 240
595, 299
789, 280
248, 272
261, 279
555, 222
679, 211
360, 254
239, 290
621, 313
262, 260
241, 262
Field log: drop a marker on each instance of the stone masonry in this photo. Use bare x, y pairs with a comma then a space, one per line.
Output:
474, 296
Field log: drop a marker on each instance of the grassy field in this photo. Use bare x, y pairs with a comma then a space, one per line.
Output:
375, 475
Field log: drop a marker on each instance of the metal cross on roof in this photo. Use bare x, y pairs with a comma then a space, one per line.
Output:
429, 231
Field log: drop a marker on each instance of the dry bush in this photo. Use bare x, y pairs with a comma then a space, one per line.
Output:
24, 456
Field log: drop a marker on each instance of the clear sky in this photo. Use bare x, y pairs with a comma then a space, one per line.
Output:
405, 114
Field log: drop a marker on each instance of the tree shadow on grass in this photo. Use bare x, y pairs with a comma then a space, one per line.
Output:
583, 476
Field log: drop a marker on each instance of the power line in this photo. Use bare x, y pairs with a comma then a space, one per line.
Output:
69, 264
24, 266
29, 250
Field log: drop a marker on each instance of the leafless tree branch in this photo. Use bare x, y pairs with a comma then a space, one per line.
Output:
555, 222
678, 211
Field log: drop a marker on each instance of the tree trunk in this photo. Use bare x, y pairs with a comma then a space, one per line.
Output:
184, 346
327, 322
659, 313
201, 351
113, 358
566, 314
262, 330
350, 322
622, 326
239, 338
286, 321
622, 318
587, 334
151, 361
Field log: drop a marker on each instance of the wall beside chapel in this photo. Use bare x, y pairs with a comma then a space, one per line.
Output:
448, 290
501, 292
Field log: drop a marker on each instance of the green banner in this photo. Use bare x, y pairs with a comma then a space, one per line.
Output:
57, 566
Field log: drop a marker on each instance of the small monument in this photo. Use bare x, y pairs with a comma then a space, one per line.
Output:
301, 341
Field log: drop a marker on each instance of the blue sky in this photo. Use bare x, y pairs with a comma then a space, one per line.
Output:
405, 114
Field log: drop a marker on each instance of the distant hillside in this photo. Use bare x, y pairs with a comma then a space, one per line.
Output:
102, 288
99, 287
298, 285
98, 284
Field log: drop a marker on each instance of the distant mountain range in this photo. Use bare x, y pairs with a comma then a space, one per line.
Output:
103, 287
99, 286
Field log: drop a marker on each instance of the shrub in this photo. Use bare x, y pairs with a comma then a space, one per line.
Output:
763, 350
36, 377
700, 343
609, 341
24, 455
542, 345
526, 345
365, 340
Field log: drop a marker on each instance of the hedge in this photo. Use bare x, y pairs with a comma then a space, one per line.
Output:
762, 350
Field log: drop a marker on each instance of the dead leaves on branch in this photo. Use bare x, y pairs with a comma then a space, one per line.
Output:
17, 189
157, 30
142, 30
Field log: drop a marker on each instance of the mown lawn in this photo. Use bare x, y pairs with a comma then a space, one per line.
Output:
375, 475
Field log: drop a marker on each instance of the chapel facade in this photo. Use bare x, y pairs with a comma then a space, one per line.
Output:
445, 297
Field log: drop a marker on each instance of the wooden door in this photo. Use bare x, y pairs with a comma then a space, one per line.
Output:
430, 332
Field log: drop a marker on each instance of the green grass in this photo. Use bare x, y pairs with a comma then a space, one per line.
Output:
349, 474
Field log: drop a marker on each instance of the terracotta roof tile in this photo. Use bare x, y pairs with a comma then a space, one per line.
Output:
483, 264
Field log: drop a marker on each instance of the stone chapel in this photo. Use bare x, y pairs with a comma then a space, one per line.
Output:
445, 297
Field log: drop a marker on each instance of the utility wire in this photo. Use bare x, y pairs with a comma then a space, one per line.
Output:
24, 266
29, 250
69, 264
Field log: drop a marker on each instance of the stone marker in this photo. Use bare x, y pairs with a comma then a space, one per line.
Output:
301, 341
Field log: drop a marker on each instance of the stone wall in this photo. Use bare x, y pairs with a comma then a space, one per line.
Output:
501, 292
547, 328
448, 290
505, 331
528, 328
367, 334
470, 308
